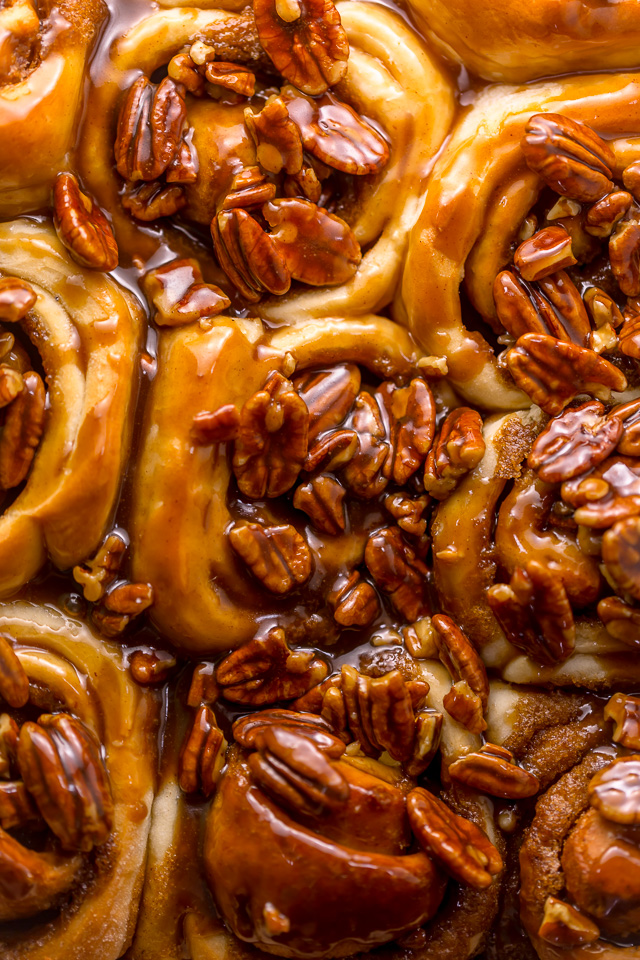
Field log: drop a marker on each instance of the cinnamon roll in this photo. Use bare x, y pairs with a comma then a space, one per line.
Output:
44, 48
532, 207
76, 785
307, 175
522, 41
70, 339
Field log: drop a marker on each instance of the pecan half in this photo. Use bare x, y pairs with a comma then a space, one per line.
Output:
11, 384
265, 670
412, 416
305, 40
276, 136
575, 441
272, 440
408, 512
615, 790
552, 372
544, 253
150, 201
465, 706
621, 553
62, 769
9, 732
365, 474
17, 297
553, 306
535, 613
355, 602
16, 806
184, 70
278, 556
291, 767
219, 426
621, 620
624, 710
151, 666
457, 844
610, 492
459, 656
250, 257
569, 156
82, 226
493, 770
130, 599
317, 247
204, 686
249, 728
605, 213
629, 415
398, 572
249, 188
96, 574
179, 295
332, 451
458, 449
380, 713
629, 333
23, 427
150, 128
624, 256
322, 499
329, 395
14, 682
565, 926
202, 755
231, 76
335, 134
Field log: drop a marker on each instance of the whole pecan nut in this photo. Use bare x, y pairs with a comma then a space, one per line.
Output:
621, 620
572, 443
365, 474
458, 449
355, 602
624, 710
465, 706
569, 156
248, 255
277, 555
23, 428
412, 415
150, 128
565, 926
202, 754
460, 657
328, 395
624, 256
179, 295
621, 554
82, 226
544, 253
14, 682
398, 572
609, 493
493, 770
276, 136
17, 297
615, 790
322, 499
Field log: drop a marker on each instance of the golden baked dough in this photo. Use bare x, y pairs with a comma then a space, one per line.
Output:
43, 56
87, 332
526, 40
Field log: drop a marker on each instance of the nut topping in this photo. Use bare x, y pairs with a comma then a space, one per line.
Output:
311, 50
493, 770
465, 706
9, 732
621, 620
249, 256
231, 76
544, 253
16, 299
629, 415
621, 553
14, 683
62, 769
179, 295
398, 572
150, 201
408, 512
615, 790
602, 216
332, 451
460, 847
278, 556
16, 806
412, 414
272, 440
458, 449
329, 395
249, 188
82, 226
572, 443
366, 475
322, 499
380, 713
151, 666
459, 656
565, 925
265, 670
11, 384
571, 159
150, 127
23, 427
96, 574
624, 710
277, 138
355, 602
202, 755
609, 493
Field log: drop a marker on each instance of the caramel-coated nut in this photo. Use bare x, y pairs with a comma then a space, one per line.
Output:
571, 159
17, 297
572, 443
14, 683
544, 253
566, 926
82, 226
615, 790
624, 710
202, 755
493, 770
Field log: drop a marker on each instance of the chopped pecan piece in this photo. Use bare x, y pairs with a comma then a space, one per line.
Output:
305, 40
17, 297
179, 295
615, 790
278, 555
62, 769
96, 574
459, 656
493, 770
16, 806
202, 754
365, 474
535, 613
129, 599
398, 572
317, 247
572, 443
544, 253
204, 686
291, 767
150, 128
11, 384
329, 395
458, 449
332, 451
408, 512
427, 742
304, 184
151, 666
276, 136
14, 682
150, 201
272, 440
355, 602
565, 926
629, 415
624, 710
108, 623
250, 257
184, 70
9, 732
569, 156
412, 416
249, 188
621, 620
23, 427
219, 426
185, 165
265, 670
459, 846
465, 706
231, 76
631, 178
602, 216
610, 492
621, 554
629, 333
552, 373
82, 226
322, 499
624, 256
335, 134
